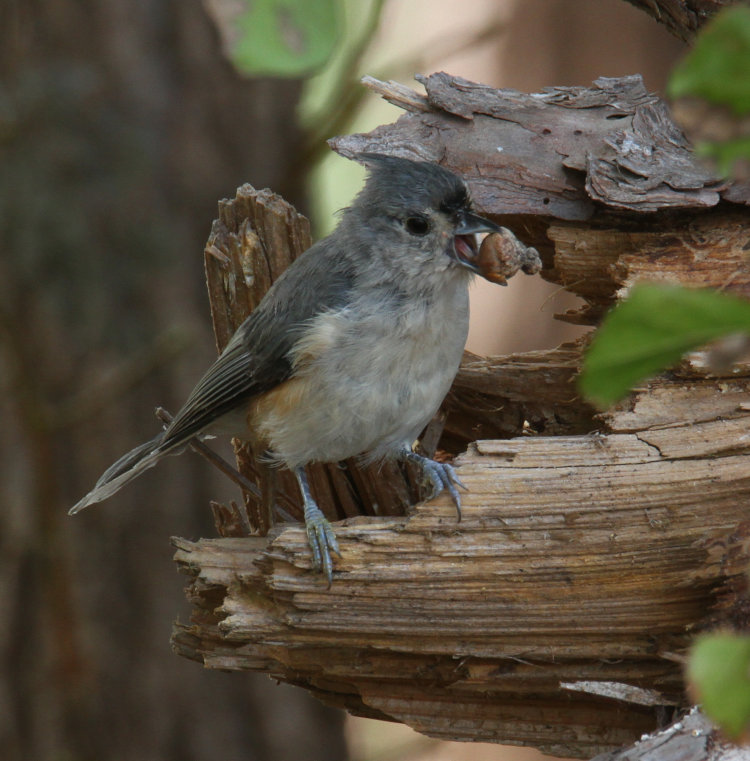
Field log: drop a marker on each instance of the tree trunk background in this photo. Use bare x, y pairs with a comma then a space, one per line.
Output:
592, 545
121, 126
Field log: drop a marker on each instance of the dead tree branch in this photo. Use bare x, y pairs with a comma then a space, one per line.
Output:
592, 546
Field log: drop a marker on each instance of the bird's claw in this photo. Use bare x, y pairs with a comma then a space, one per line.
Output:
439, 476
322, 540
320, 534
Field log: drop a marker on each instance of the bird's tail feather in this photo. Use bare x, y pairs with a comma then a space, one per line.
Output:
123, 471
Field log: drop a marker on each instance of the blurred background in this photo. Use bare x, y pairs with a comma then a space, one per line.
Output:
122, 122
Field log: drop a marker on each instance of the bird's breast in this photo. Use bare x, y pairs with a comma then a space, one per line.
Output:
367, 378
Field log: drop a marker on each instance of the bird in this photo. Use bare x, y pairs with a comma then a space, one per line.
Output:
351, 351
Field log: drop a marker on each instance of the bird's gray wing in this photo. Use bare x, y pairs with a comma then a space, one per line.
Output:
256, 359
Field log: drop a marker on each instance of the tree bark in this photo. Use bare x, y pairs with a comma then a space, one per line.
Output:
691, 737
592, 546
682, 17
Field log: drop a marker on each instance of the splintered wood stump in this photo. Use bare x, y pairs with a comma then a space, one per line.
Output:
578, 558
592, 546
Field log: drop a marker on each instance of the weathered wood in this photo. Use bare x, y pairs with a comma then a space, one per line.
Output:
592, 545
557, 153
683, 401
600, 264
502, 397
691, 738
579, 557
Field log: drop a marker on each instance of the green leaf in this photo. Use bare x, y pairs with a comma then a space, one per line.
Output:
718, 674
286, 38
718, 67
650, 331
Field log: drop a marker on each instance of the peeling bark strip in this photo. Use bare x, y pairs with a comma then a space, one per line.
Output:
556, 153
682, 17
554, 614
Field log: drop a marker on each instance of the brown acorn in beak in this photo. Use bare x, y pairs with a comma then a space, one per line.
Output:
501, 255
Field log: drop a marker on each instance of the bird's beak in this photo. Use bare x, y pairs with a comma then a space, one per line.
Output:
465, 242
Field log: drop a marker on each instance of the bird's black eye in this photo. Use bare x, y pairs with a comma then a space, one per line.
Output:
417, 225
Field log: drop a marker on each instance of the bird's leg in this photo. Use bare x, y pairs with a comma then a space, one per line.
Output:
437, 475
320, 533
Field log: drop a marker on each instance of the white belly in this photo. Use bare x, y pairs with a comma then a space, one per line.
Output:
369, 386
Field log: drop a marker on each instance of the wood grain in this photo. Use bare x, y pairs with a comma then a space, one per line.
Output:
593, 545
578, 557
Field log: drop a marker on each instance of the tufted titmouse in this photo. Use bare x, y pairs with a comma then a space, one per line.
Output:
352, 350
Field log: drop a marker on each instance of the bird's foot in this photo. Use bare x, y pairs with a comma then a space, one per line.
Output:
438, 476
320, 534
322, 540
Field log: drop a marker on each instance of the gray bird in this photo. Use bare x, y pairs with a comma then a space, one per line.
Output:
352, 350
